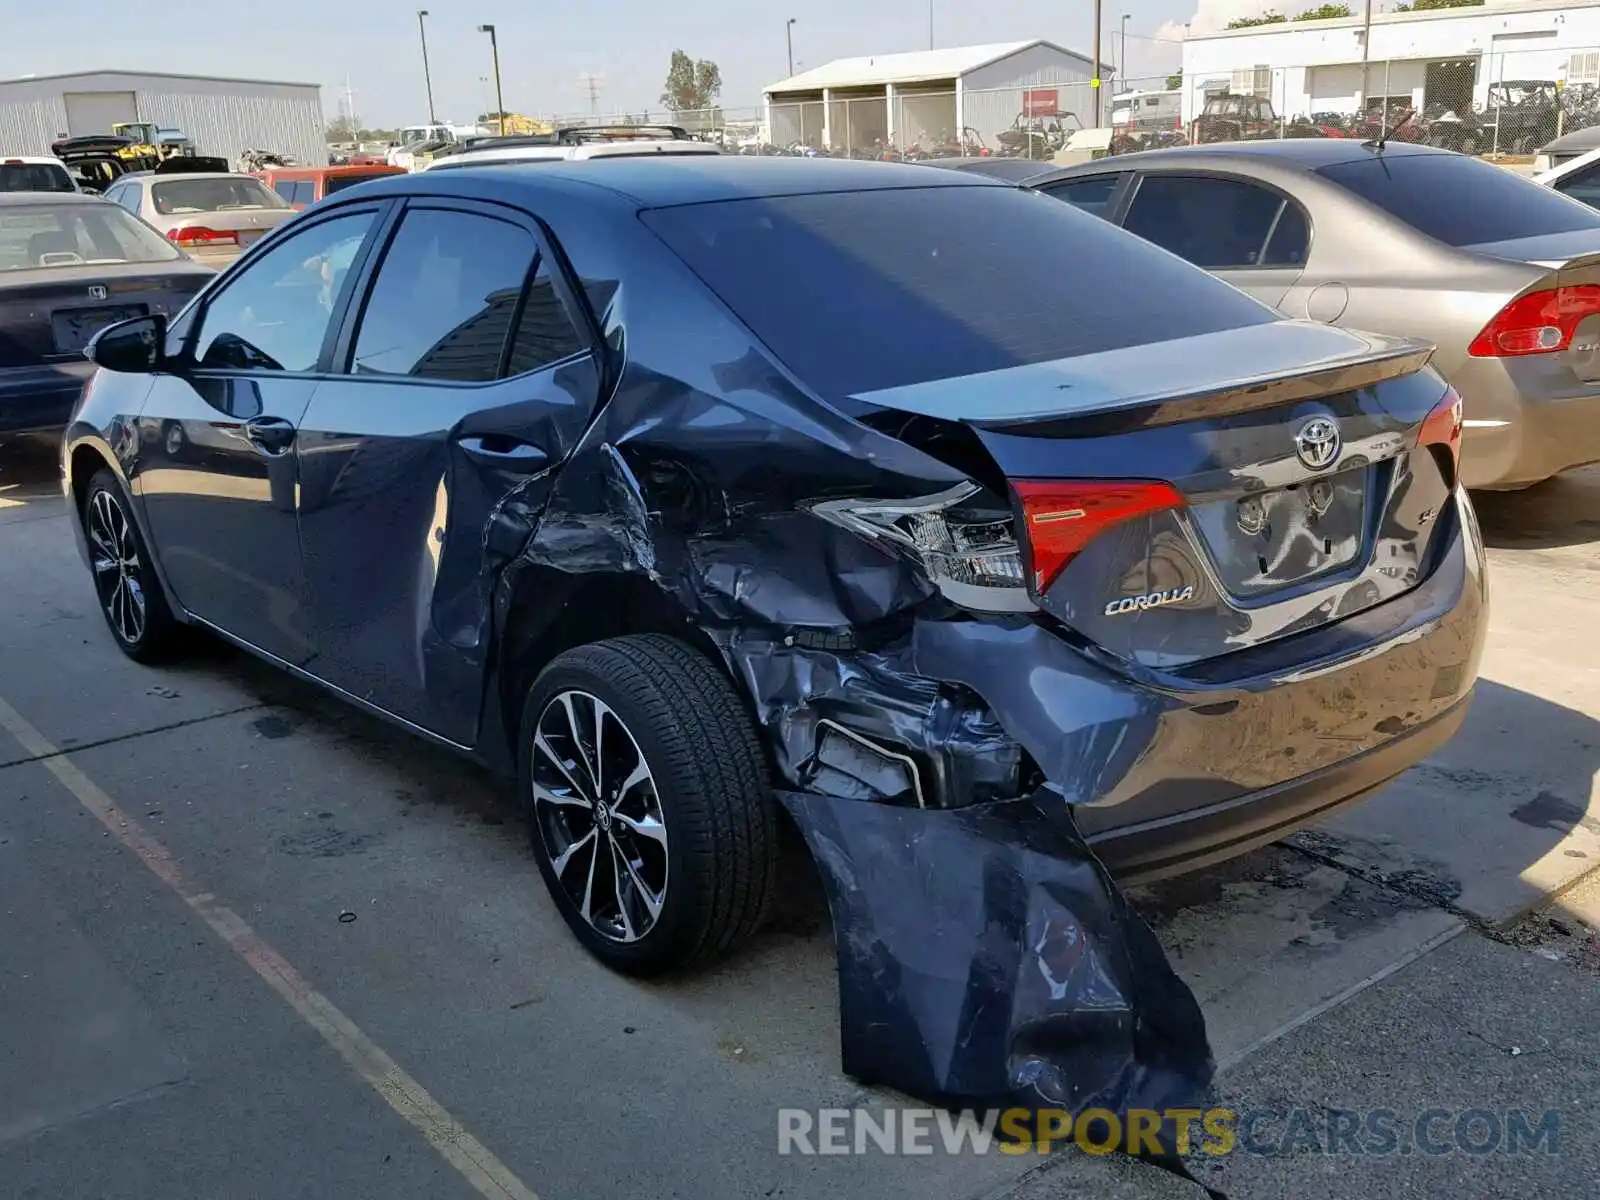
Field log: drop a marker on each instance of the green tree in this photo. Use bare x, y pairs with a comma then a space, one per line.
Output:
344, 128
692, 84
1426, 5
1266, 18
1175, 81
1324, 12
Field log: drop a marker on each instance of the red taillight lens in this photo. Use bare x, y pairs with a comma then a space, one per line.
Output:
1537, 323
1061, 517
199, 235
1443, 428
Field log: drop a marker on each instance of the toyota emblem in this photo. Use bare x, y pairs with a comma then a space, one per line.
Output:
97, 291
1317, 443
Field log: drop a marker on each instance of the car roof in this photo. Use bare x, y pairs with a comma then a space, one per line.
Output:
670, 179
632, 148
331, 169
1306, 153
177, 175
8, 199
31, 159
1578, 141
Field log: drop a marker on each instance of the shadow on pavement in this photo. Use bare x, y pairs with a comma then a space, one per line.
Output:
1564, 511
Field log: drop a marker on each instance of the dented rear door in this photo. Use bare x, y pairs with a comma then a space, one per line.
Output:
423, 466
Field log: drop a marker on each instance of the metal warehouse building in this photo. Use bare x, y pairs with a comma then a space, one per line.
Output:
223, 117
1448, 57
931, 96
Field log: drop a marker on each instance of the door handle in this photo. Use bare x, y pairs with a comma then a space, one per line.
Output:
270, 435
507, 453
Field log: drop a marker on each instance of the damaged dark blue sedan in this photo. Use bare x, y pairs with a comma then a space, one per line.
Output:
697, 490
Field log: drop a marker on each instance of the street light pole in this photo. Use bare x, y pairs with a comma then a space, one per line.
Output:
427, 78
1366, 42
1123, 69
1095, 82
499, 102
788, 37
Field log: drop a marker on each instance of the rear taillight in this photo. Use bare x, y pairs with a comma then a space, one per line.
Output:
1537, 323
963, 539
199, 235
1061, 517
1443, 428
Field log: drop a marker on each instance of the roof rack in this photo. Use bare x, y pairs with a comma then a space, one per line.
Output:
577, 135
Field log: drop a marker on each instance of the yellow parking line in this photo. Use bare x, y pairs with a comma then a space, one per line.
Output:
491, 1177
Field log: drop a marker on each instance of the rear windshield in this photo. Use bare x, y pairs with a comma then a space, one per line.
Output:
181, 196
35, 177
337, 183
1461, 201
856, 291
70, 235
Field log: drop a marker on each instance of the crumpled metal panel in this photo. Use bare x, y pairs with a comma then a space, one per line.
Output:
988, 960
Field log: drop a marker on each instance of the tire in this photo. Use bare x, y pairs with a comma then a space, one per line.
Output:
130, 596
664, 706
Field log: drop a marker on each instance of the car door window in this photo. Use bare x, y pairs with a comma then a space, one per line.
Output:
545, 333
305, 192
1583, 185
1093, 195
275, 315
444, 297
1290, 240
1214, 223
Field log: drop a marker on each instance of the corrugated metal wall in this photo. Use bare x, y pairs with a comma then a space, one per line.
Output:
223, 117
29, 126
228, 125
991, 97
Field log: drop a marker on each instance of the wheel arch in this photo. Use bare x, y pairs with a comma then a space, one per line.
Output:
545, 612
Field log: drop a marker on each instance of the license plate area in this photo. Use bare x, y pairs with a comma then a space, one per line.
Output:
73, 327
248, 237
1266, 541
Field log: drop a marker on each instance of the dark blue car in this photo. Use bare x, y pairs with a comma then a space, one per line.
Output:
671, 485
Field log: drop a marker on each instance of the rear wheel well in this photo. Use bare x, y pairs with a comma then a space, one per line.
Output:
596, 607
86, 461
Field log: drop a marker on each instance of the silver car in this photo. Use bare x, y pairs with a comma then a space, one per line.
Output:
215, 216
1502, 275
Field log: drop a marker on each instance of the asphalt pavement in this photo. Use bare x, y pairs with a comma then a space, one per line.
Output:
259, 946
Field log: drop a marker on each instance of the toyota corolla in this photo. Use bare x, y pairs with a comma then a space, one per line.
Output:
670, 485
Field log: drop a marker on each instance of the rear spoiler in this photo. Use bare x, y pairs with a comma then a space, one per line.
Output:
1185, 379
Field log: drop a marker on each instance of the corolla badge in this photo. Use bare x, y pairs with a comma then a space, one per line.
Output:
1317, 444
1130, 604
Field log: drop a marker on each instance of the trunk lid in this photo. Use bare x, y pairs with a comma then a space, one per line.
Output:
1305, 495
49, 315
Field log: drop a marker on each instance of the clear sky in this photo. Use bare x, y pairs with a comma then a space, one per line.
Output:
545, 48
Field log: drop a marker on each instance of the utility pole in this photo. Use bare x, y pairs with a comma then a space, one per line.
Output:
422, 31
1095, 82
788, 37
930, 24
499, 102
1366, 42
1123, 69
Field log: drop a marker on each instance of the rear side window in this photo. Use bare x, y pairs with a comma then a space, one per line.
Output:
444, 298
1460, 201
1093, 196
545, 332
1582, 185
34, 177
857, 291
1214, 223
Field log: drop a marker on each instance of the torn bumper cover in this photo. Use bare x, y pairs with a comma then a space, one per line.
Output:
987, 960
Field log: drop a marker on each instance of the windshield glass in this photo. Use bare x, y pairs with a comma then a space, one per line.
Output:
70, 235
1460, 201
35, 177
180, 196
857, 291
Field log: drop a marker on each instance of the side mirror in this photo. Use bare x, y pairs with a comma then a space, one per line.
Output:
134, 346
